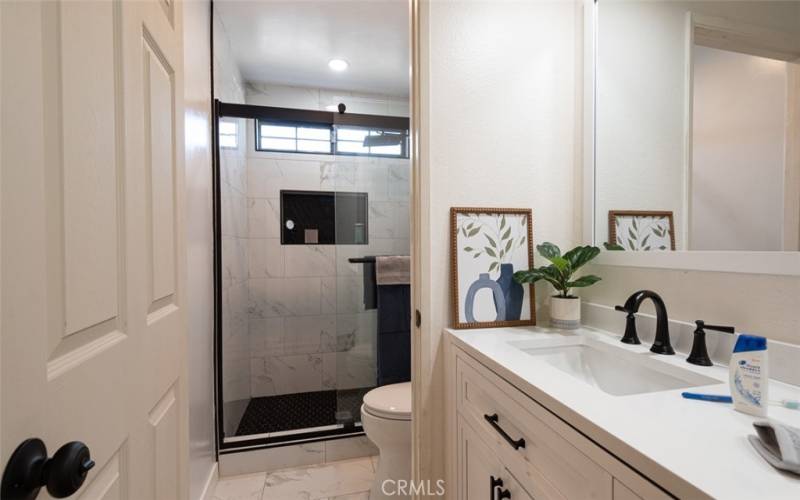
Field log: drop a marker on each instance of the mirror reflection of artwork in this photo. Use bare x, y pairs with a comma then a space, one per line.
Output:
488, 247
641, 231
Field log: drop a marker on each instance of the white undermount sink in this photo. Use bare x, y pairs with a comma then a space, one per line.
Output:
613, 370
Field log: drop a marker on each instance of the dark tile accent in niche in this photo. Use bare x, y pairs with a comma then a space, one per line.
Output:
301, 411
324, 218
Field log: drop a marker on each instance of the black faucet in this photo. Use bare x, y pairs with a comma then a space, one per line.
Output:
699, 354
661, 344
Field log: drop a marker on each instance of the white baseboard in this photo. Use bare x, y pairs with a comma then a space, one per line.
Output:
211, 483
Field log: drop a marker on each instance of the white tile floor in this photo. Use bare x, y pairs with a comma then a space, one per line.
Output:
344, 480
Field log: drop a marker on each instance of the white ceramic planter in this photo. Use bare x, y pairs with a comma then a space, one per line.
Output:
565, 313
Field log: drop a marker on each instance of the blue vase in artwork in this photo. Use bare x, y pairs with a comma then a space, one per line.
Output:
484, 281
513, 293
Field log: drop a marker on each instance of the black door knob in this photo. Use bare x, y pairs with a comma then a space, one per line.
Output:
29, 469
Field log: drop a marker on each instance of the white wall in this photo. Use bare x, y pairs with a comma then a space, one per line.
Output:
641, 89
199, 245
739, 129
498, 108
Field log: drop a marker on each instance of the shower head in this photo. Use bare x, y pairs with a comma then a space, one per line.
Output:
383, 139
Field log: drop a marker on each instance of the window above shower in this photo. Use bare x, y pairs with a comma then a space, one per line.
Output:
228, 134
291, 138
288, 137
371, 142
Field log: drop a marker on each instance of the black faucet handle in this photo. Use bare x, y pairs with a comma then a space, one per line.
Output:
699, 354
701, 325
630, 337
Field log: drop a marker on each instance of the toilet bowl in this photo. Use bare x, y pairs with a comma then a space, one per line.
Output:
386, 418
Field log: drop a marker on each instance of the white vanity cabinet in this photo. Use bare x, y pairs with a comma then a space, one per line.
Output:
503, 433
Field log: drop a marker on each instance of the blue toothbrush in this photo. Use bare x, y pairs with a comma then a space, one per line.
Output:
707, 397
718, 398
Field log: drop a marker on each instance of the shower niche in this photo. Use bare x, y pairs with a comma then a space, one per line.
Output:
324, 218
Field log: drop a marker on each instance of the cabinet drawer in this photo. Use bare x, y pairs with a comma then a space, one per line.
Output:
547, 465
481, 475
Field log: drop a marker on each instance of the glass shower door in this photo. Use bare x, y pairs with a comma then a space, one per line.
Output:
382, 186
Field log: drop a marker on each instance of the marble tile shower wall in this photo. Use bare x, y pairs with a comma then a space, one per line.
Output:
308, 328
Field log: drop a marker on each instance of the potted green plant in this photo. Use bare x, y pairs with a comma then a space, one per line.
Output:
565, 308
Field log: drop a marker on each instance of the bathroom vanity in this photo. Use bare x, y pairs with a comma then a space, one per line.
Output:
540, 413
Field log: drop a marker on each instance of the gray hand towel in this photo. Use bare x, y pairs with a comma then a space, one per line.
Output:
393, 270
778, 443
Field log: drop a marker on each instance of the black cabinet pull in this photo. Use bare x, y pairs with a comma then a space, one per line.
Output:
492, 419
504, 494
494, 483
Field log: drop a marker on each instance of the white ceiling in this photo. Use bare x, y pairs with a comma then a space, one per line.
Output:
291, 42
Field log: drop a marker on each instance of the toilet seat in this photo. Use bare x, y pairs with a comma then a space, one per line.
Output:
392, 402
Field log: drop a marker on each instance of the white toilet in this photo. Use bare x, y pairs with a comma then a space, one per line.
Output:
386, 417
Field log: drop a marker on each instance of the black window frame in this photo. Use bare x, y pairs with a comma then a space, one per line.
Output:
289, 123
403, 145
236, 135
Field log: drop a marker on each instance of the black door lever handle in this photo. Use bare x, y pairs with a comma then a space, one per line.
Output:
29, 469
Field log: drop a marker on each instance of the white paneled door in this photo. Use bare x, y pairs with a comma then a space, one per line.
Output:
92, 325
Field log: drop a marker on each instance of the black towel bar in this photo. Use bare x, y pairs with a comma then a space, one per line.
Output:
362, 260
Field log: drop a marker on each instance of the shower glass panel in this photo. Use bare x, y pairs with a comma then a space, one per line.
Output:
234, 345
299, 228
385, 181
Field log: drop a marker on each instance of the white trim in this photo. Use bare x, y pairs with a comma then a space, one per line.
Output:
211, 483
776, 263
737, 36
791, 178
421, 365
589, 92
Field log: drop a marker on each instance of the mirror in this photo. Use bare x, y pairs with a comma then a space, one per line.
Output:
697, 125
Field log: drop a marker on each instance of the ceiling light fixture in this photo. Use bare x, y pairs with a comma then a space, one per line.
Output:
338, 64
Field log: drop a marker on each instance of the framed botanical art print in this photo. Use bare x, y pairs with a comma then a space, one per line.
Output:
641, 230
488, 245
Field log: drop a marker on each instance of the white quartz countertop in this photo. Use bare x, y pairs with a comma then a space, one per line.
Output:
688, 447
